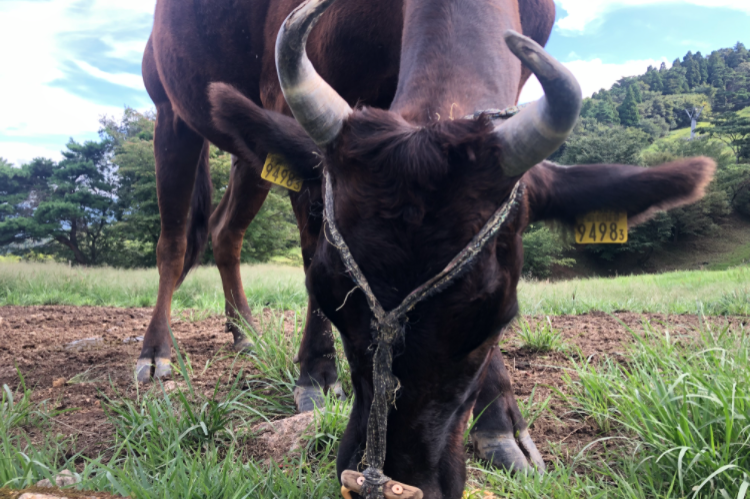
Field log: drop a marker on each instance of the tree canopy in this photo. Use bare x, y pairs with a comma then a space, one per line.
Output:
99, 205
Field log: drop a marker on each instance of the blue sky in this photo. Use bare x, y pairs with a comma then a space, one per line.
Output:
65, 63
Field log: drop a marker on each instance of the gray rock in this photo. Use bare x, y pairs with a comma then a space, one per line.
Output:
85, 344
285, 435
64, 478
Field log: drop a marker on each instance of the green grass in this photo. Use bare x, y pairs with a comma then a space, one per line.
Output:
708, 292
281, 287
275, 286
674, 422
682, 406
541, 338
673, 414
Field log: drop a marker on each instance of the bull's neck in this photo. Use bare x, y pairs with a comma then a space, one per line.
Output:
454, 60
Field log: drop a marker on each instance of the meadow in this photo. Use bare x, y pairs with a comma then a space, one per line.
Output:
667, 412
282, 287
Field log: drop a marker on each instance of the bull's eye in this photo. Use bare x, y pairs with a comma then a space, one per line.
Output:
412, 214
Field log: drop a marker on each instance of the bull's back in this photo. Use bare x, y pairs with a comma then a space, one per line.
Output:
196, 42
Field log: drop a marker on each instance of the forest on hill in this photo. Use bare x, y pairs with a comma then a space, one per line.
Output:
646, 120
98, 205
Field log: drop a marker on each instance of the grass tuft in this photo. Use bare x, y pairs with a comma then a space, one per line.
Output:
541, 338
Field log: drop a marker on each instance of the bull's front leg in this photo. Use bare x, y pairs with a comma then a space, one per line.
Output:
317, 352
500, 434
317, 362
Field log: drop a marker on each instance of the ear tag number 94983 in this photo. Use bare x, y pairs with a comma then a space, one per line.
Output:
602, 227
276, 172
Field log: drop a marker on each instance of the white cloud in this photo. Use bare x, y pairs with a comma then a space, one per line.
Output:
32, 58
125, 79
592, 75
19, 153
582, 12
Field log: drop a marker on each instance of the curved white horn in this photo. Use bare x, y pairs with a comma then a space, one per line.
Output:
318, 108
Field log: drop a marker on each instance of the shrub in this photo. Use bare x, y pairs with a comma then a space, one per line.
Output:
543, 248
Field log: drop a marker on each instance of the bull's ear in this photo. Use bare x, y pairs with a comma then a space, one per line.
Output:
562, 193
252, 128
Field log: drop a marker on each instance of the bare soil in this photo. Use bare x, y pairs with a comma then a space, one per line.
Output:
37, 341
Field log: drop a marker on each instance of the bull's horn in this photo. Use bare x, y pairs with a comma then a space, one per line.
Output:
318, 108
540, 128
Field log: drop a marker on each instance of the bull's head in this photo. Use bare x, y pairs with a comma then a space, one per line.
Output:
525, 139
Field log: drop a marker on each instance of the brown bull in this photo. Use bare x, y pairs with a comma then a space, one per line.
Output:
356, 48
412, 186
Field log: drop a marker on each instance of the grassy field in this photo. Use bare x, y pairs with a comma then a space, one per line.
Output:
280, 287
673, 419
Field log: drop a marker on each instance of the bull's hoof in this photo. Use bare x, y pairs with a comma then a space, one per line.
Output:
161, 368
242, 344
338, 391
502, 451
308, 398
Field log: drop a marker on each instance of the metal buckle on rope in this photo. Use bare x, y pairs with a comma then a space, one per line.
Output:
353, 481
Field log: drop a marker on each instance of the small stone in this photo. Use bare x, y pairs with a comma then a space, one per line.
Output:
58, 382
133, 339
285, 435
64, 478
85, 344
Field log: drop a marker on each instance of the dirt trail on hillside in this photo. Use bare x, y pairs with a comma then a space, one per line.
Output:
39, 341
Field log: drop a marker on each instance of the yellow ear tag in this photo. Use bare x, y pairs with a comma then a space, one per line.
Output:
276, 172
602, 227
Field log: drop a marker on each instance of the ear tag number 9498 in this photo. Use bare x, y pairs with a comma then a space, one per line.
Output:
602, 227
276, 172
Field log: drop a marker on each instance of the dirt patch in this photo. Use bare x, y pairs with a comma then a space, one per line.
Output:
76, 376
73, 357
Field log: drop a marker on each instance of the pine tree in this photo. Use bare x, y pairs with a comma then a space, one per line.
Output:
628, 110
654, 81
71, 202
733, 130
692, 70
675, 81
588, 109
637, 92
717, 70
738, 55
702, 67
606, 112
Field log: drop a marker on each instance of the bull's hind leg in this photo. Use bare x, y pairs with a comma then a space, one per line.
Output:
239, 205
178, 151
500, 434
317, 353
